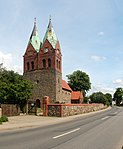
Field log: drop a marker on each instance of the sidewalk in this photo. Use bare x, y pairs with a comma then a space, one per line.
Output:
32, 121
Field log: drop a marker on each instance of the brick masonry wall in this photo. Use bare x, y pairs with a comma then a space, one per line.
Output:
46, 82
54, 110
66, 96
63, 110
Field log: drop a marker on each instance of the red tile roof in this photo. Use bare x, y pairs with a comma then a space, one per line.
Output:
66, 86
75, 95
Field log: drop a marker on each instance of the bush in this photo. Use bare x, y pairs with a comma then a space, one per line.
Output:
4, 118
0, 121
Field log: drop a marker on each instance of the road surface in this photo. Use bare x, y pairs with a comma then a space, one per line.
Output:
97, 131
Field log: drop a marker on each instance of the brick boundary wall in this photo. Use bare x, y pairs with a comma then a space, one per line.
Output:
63, 110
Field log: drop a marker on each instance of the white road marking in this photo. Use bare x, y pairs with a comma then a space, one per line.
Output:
104, 117
66, 133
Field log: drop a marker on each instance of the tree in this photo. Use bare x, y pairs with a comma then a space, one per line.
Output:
79, 81
118, 95
98, 97
109, 98
14, 89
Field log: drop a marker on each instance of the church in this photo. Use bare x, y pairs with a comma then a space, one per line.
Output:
42, 64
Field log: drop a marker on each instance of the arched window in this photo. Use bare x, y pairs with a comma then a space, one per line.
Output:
49, 62
57, 63
32, 64
28, 67
44, 63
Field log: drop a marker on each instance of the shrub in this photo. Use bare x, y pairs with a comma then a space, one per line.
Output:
4, 118
0, 121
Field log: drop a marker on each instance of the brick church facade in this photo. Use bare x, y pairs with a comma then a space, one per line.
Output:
43, 67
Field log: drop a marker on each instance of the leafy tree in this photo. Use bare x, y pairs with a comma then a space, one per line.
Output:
109, 98
79, 81
98, 97
118, 95
86, 99
14, 89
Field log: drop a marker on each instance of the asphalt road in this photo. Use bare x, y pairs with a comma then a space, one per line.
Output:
98, 131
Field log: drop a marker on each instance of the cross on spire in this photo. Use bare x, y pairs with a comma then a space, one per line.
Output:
50, 24
35, 21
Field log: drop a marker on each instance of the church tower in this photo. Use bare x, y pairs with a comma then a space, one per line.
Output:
43, 65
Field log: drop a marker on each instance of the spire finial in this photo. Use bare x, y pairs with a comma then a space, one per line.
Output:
50, 18
35, 21
50, 24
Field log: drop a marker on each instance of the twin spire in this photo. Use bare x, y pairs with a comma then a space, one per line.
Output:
34, 38
49, 35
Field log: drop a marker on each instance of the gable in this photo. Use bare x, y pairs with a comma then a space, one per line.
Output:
30, 51
65, 86
46, 47
75, 95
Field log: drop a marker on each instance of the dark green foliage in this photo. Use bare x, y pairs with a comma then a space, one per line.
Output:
99, 97
14, 89
79, 81
86, 99
118, 96
4, 118
109, 99
0, 121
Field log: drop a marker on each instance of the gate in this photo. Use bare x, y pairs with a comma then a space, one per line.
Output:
10, 110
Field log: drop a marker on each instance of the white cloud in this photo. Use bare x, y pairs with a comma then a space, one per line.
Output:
101, 88
118, 81
100, 33
98, 58
7, 61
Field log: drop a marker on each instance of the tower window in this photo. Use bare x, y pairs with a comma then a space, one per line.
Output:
44, 63
32, 64
49, 62
28, 67
57, 63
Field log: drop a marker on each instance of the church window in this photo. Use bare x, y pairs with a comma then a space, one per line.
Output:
49, 62
37, 81
44, 63
28, 67
57, 63
32, 64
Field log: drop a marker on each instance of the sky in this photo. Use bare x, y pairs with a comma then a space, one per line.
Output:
90, 33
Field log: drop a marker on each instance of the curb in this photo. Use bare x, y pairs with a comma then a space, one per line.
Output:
49, 121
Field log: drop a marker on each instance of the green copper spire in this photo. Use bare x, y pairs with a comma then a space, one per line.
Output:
50, 34
34, 38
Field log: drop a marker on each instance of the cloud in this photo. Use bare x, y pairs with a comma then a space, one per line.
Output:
7, 61
98, 58
118, 81
100, 33
101, 88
